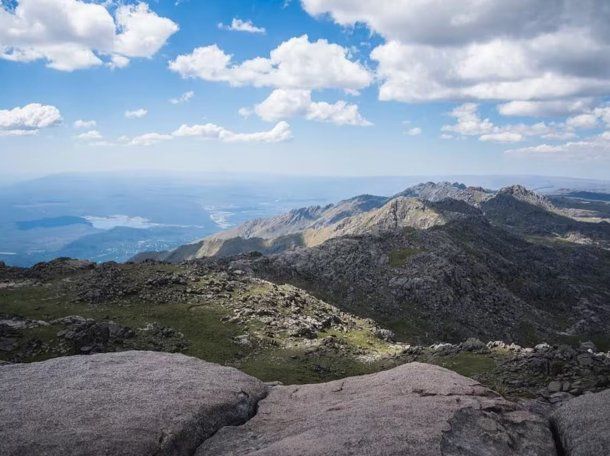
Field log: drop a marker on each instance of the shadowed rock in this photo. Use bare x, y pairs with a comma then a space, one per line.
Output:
135, 403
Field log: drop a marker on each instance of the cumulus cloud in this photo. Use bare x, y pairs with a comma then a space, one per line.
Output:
237, 25
582, 121
280, 132
414, 131
185, 97
593, 148
245, 112
286, 103
297, 63
136, 113
470, 123
73, 34
149, 139
493, 50
85, 123
91, 135
28, 120
544, 108
503, 136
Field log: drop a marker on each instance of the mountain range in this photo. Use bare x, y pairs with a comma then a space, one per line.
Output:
439, 261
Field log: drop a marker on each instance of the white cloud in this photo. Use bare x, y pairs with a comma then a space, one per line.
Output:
91, 135
582, 121
483, 50
185, 97
603, 112
286, 103
143, 32
296, 63
280, 132
85, 123
470, 123
593, 148
504, 136
73, 34
149, 139
136, 114
440, 21
245, 112
237, 25
544, 108
28, 120
415, 131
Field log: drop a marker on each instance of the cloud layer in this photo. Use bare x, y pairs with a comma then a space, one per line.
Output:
491, 50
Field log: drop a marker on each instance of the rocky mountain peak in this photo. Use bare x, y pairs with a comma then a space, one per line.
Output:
521, 193
438, 191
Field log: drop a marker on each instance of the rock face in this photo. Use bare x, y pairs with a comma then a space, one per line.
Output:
414, 409
583, 425
135, 403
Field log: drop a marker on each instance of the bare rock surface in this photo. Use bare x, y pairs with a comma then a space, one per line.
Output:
583, 425
415, 409
129, 403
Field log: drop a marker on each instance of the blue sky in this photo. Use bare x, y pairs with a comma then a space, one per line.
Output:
401, 88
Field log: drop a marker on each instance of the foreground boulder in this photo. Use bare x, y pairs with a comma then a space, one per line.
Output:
129, 403
149, 403
415, 409
583, 425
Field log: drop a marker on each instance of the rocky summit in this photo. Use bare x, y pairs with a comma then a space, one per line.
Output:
145, 403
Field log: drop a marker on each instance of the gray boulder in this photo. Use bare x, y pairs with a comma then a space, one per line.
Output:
583, 425
415, 409
129, 403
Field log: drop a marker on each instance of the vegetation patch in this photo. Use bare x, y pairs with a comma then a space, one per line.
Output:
399, 257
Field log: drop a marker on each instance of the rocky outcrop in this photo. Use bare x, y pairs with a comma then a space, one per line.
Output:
414, 409
582, 425
145, 403
552, 373
130, 403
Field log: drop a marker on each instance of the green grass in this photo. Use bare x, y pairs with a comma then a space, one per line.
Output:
296, 367
204, 325
210, 338
466, 363
399, 257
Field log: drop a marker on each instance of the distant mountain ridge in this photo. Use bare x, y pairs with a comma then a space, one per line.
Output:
418, 207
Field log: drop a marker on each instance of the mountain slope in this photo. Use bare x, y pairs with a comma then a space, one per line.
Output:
439, 262
463, 279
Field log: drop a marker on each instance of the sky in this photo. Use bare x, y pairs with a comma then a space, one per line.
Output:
311, 87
